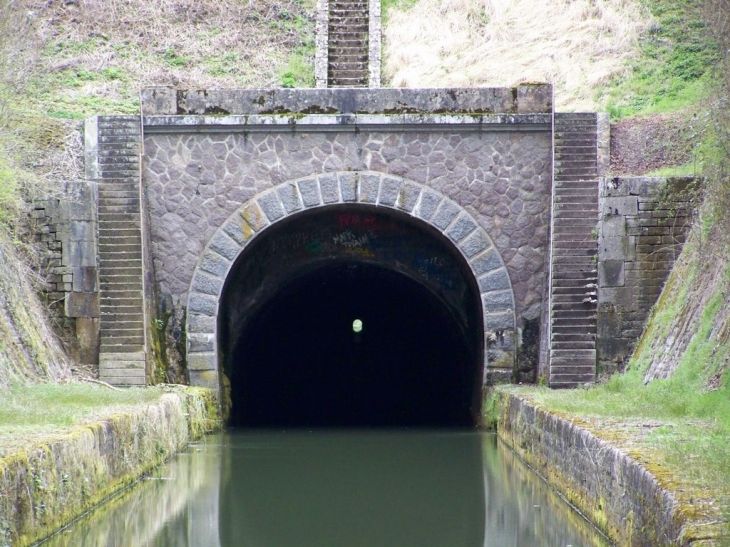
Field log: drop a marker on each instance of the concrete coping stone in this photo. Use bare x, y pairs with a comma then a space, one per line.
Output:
351, 123
522, 99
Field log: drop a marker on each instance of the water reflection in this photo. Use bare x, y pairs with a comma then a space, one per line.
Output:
338, 488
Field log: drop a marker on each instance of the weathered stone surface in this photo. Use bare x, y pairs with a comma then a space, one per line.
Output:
82, 304
525, 99
501, 179
82, 469
626, 503
494, 281
636, 252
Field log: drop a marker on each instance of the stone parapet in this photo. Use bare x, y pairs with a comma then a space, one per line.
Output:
525, 99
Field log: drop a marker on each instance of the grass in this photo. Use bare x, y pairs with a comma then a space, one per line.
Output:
31, 412
674, 68
683, 421
578, 45
688, 169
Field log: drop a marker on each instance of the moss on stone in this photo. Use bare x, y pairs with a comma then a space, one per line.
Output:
45, 487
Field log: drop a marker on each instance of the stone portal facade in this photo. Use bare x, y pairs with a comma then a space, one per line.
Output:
201, 174
483, 179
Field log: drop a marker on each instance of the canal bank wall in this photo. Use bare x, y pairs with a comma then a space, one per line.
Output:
44, 488
613, 491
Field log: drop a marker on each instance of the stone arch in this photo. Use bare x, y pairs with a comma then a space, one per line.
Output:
376, 189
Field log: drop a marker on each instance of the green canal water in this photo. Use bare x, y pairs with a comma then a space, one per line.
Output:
325, 488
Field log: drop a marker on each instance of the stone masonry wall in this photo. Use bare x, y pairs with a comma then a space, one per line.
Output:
614, 491
195, 182
66, 227
642, 229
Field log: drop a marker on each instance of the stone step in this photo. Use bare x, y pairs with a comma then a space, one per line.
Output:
574, 337
106, 357
347, 74
121, 279
565, 329
120, 348
345, 66
118, 247
124, 255
573, 345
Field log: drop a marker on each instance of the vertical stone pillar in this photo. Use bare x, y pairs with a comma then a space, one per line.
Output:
374, 36
322, 44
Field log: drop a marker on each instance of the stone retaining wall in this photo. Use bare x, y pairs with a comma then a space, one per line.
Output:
44, 488
612, 490
642, 228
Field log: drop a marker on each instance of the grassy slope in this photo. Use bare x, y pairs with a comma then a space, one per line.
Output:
62, 61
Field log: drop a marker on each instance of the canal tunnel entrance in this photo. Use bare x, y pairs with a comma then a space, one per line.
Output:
351, 317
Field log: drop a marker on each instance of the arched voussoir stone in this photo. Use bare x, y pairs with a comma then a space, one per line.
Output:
375, 189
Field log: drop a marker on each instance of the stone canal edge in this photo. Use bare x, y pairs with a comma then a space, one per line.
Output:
46, 487
618, 494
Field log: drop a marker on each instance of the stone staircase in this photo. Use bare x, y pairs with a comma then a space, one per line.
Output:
122, 336
574, 249
348, 43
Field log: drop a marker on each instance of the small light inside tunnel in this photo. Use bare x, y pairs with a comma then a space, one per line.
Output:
356, 325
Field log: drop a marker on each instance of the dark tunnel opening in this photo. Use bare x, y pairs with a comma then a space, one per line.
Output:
301, 363
338, 341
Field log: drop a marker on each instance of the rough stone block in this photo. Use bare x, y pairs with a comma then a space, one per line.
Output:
463, 226
369, 187
203, 304
623, 298
613, 226
309, 190
82, 230
201, 323
427, 205
81, 304
389, 190
504, 320
495, 280
534, 98
290, 197
446, 212
254, 216
498, 300
408, 197
159, 101
84, 279
348, 186
238, 230
201, 342
87, 336
202, 361
79, 253
615, 248
330, 188
204, 378
486, 261
271, 206
611, 273
215, 264
225, 246
628, 205
207, 284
